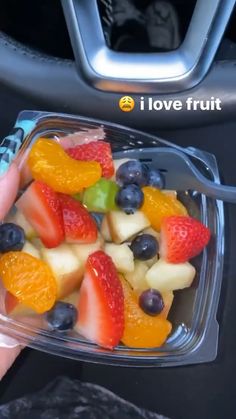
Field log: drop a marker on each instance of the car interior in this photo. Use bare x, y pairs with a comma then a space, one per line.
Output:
80, 57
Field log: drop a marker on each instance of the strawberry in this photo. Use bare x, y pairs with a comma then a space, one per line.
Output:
10, 302
79, 225
41, 207
101, 302
98, 151
182, 238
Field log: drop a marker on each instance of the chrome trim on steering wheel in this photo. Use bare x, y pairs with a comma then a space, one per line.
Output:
146, 72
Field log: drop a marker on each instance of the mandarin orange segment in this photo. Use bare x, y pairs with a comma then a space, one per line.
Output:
141, 330
158, 205
29, 279
50, 164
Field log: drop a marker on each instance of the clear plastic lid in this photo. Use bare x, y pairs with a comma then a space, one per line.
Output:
194, 336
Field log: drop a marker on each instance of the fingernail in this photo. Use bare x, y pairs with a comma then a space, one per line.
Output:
9, 148
6, 157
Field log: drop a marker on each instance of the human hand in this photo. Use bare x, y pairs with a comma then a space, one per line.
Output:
9, 348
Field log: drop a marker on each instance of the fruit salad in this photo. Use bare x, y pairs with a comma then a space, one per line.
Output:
97, 246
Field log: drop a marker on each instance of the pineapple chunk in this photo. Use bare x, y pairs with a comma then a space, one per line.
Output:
137, 278
105, 231
165, 276
66, 266
151, 262
82, 251
123, 227
121, 255
168, 298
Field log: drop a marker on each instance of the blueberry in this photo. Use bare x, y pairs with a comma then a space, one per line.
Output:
151, 302
144, 247
129, 198
98, 217
62, 316
155, 179
131, 172
12, 237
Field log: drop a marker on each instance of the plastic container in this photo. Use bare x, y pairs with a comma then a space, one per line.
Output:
194, 337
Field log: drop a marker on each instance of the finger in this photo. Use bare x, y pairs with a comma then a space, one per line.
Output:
9, 183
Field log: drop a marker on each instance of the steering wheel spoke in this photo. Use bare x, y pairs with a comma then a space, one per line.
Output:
167, 72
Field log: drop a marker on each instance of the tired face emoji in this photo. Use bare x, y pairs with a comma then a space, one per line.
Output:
126, 103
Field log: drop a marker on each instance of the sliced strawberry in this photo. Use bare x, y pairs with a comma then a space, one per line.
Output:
182, 238
10, 302
99, 151
41, 207
101, 302
79, 225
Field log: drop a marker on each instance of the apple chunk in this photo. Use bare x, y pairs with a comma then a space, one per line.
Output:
165, 276
66, 266
121, 255
122, 226
82, 251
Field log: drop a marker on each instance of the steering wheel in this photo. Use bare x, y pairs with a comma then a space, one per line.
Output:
93, 84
